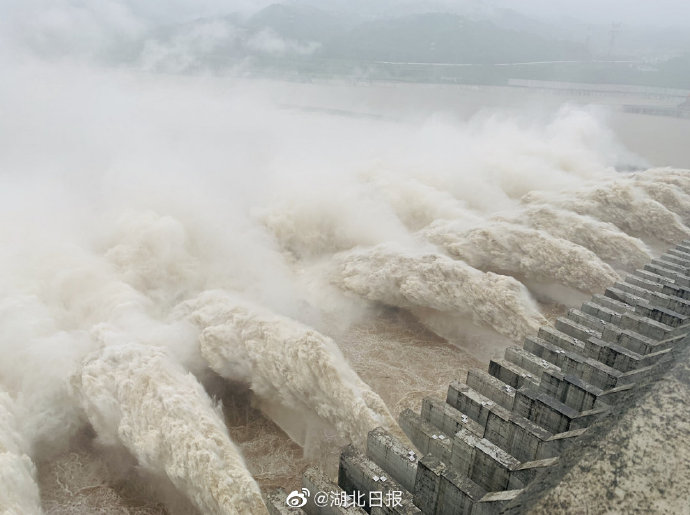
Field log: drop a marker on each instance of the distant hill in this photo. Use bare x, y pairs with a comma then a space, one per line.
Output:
307, 39
446, 38
303, 23
429, 37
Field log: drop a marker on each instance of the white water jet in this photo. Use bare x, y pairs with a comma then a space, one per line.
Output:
288, 365
413, 281
669, 195
673, 176
137, 396
18, 488
622, 204
417, 204
534, 255
606, 240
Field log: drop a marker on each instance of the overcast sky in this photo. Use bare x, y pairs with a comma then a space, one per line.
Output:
638, 12
634, 12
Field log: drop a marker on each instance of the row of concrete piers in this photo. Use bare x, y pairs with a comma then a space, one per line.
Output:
476, 451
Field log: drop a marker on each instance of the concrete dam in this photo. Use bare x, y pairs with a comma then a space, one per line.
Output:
590, 415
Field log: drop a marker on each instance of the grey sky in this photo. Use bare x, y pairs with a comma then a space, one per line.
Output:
633, 12
636, 12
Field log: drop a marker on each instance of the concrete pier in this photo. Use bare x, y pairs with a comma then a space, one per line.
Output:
426, 437
448, 419
400, 462
440, 490
492, 388
360, 476
315, 481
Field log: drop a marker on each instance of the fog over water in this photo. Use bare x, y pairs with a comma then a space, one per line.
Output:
210, 278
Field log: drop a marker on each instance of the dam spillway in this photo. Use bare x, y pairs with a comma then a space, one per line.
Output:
559, 425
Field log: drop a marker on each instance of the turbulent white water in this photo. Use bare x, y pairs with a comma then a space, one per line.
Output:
675, 177
669, 195
535, 255
288, 364
53, 293
135, 395
312, 223
418, 204
622, 204
606, 240
18, 489
415, 280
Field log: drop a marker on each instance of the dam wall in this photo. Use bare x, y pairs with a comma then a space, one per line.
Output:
504, 440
